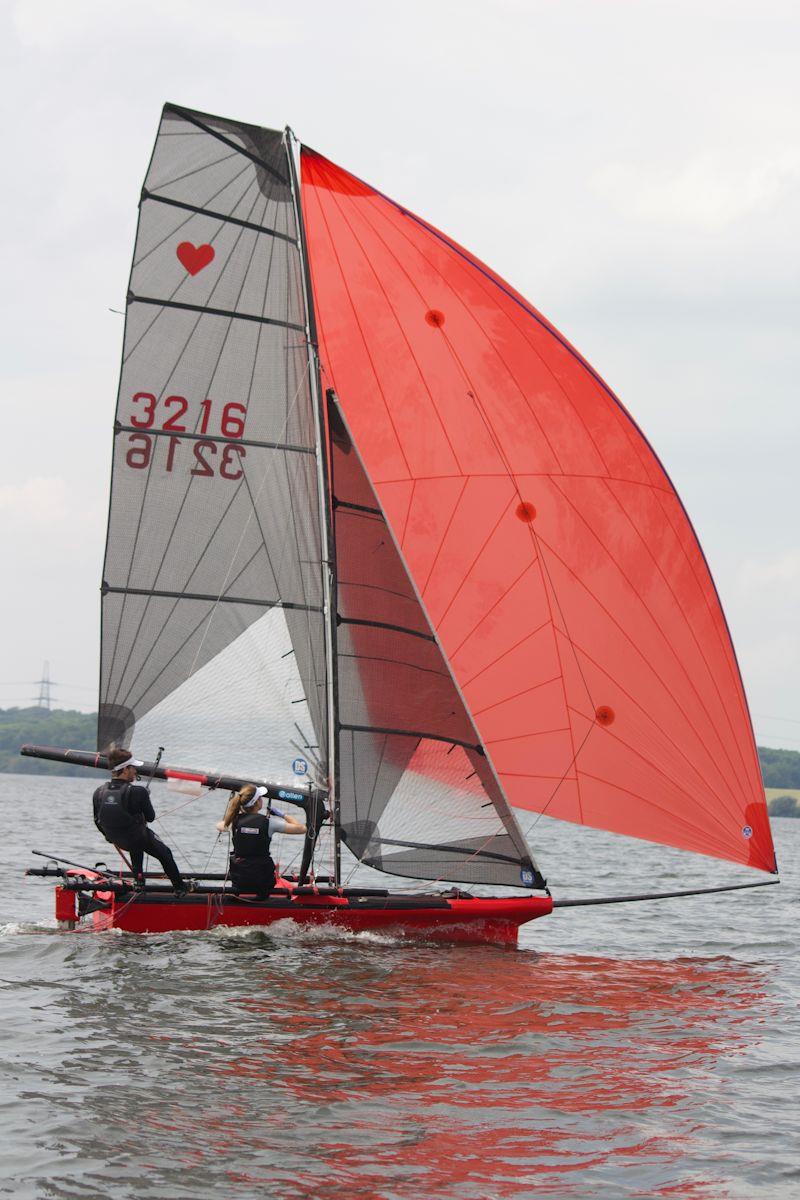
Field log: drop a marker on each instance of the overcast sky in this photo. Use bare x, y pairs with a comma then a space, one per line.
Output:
633, 168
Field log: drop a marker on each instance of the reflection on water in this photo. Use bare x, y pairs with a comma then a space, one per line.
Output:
294, 1063
351, 1066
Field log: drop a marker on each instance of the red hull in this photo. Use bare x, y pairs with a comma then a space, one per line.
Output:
461, 920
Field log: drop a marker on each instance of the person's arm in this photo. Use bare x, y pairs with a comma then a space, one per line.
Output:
286, 825
141, 802
96, 809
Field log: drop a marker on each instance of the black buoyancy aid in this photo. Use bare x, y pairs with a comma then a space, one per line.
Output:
113, 816
251, 837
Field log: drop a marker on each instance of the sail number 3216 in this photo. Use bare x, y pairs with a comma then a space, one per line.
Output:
205, 456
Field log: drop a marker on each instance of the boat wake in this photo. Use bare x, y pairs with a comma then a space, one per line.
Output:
291, 931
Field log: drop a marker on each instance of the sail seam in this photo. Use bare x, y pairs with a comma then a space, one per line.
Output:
150, 468
531, 475
656, 625
373, 368
377, 233
270, 465
171, 234
703, 834
538, 557
213, 312
488, 613
137, 262
470, 313
460, 366
732, 665
217, 216
541, 321
400, 328
183, 644
206, 166
503, 808
625, 635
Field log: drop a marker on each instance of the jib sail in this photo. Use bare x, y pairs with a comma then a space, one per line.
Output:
417, 794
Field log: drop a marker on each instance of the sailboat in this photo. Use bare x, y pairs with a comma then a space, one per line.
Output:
381, 539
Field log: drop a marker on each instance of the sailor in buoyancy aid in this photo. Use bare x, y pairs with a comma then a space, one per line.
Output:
122, 812
251, 865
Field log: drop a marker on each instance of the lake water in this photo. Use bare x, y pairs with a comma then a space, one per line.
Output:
639, 1050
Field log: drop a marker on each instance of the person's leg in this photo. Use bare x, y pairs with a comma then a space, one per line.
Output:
267, 880
253, 877
154, 846
136, 856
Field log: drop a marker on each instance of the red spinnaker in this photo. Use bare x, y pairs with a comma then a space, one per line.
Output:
552, 553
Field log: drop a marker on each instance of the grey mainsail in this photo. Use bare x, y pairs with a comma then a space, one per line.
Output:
212, 622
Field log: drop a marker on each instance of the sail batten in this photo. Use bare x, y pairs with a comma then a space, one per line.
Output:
413, 733
220, 599
213, 312
218, 216
242, 441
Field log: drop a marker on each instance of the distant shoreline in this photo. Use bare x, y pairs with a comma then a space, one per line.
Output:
65, 727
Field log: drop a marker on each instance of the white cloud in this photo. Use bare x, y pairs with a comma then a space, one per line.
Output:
709, 190
51, 24
39, 501
781, 571
630, 167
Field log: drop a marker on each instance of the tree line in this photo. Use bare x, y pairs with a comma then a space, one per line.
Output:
78, 731
62, 728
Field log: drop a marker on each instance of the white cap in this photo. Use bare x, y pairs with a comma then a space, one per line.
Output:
254, 799
130, 762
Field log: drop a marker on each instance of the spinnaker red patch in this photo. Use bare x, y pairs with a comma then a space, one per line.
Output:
526, 511
193, 776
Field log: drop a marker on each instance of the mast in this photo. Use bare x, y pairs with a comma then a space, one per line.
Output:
328, 543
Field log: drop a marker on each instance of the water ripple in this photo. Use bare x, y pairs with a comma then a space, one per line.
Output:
644, 1052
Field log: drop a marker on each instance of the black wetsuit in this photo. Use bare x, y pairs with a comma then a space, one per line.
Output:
251, 866
121, 813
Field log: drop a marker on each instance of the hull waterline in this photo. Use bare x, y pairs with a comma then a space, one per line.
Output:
442, 918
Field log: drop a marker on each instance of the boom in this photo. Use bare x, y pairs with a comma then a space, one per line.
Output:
304, 796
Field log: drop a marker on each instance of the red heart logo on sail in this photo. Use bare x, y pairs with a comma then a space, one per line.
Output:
194, 258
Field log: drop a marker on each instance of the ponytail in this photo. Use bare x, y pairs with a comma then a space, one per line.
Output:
236, 803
